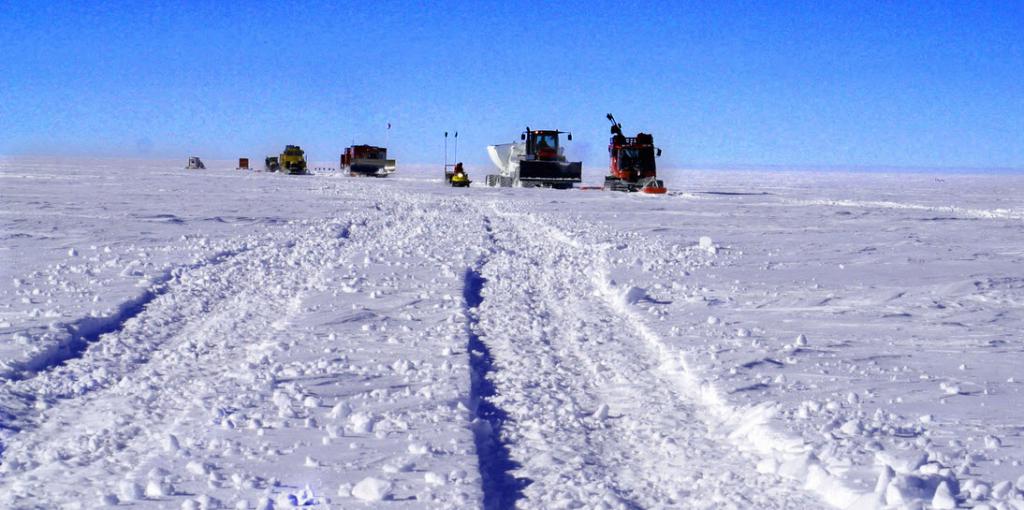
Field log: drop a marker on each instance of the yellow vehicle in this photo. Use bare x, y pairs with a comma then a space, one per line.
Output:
458, 177
293, 160
460, 180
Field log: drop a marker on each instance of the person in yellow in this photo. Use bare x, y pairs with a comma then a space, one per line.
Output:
459, 177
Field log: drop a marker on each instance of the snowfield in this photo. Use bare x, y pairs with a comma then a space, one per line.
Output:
228, 339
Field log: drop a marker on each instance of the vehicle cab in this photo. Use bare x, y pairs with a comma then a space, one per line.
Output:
542, 144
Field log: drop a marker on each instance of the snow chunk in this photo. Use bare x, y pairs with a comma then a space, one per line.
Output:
432, 478
634, 295
170, 443
339, 411
993, 443
904, 489
361, 423
129, 490
943, 499
418, 449
157, 489
197, 468
1002, 490
950, 388
372, 489
852, 427
798, 466
707, 244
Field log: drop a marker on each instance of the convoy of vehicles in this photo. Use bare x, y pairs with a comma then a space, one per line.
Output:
537, 160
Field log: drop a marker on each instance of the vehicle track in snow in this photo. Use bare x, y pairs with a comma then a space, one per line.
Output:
567, 384
176, 351
206, 388
591, 422
84, 331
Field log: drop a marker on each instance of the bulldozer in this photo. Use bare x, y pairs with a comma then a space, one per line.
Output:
536, 161
367, 161
293, 160
632, 164
271, 164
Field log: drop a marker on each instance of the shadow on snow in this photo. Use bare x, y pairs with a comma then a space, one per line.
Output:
500, 487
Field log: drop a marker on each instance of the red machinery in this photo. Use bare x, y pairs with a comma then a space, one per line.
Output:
632, 162
367, 160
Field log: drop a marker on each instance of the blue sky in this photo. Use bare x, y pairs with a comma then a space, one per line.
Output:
922, 84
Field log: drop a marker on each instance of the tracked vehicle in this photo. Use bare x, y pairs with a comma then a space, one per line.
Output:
367, 161
293, 160
536, 161
632, 166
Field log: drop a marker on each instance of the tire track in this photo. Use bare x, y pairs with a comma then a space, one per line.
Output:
184, 332
87, 330
593, 423
745, 428
501, 488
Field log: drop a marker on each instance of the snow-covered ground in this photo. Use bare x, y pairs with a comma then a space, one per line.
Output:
218, 338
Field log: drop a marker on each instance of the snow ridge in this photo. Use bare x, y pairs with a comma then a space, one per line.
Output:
748, 428
998, 213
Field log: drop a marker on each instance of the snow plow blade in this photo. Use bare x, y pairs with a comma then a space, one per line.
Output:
372, 168
554, 171
364, 169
